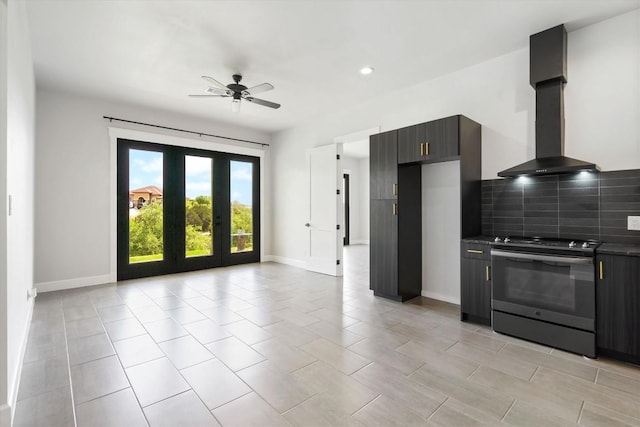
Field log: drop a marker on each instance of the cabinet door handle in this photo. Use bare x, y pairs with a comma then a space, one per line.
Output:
426, 148
422, 148
474, 251
487, 271
395, 209
601, 270
394, 189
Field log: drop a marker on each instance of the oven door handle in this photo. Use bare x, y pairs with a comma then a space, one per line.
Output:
536, 257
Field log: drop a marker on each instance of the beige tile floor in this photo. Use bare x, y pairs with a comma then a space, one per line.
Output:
270, 345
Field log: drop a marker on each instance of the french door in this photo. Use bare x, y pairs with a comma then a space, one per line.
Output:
183, 209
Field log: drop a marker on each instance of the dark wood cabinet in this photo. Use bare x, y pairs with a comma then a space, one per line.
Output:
396, 197
475, 283
411, 143
383, 249
383, 165
618, 306
434, 141
395, 212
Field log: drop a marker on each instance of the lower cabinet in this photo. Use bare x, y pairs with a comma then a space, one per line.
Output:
383, 250
618, 306
475, 283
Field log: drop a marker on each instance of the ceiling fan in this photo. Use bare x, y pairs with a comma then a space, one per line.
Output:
236, 91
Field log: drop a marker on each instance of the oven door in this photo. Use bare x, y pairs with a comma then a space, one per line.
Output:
552, 288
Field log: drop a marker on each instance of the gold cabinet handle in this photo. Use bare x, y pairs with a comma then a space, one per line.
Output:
395, 209
426, 148
422, 148
487, 271
394, 189
474, 251
601, 271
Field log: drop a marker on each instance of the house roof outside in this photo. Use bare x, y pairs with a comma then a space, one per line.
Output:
149, 189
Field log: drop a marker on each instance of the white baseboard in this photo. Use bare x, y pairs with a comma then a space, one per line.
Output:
74, 283
359, 242
13, 398
5, 415
283, 260
441, 297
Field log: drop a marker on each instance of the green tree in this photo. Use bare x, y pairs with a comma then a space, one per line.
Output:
199, 213
197, 241
241, 217
145, 231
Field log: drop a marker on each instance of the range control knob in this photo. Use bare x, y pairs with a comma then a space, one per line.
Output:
585, 245
507, 240
572, 244
497, 239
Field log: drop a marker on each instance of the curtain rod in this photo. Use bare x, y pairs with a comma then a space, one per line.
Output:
184, 130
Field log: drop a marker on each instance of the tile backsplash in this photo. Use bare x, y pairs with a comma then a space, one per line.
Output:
572, 206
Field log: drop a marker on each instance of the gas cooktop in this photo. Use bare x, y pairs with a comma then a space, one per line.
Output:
587, 246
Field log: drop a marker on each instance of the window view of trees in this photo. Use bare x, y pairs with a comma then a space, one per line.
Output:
199, 231
146, 229
146, 233
241, 227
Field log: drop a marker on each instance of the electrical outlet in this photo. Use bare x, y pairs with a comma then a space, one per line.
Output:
633, 223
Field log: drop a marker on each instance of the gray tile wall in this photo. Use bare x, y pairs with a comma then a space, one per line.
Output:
575, 206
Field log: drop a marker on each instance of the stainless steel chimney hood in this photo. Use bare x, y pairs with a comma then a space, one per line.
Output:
548, 75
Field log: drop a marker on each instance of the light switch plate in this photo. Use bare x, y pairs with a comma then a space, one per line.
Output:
633, 223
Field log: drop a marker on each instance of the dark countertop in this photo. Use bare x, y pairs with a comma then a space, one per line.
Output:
619, 249
483, 240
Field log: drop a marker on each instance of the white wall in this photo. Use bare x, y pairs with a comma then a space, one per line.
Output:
497, 94
5, 410
602, 101
72, 163
20, 137
441, 231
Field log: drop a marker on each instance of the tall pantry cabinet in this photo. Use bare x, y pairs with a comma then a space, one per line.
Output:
396, 159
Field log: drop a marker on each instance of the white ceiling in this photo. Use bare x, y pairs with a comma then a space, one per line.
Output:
153, 52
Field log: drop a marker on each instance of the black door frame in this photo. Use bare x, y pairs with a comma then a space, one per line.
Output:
347, 222
174, 259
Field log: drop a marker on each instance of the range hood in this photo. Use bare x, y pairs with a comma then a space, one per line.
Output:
548, 75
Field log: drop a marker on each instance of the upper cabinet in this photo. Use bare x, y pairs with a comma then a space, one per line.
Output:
383, 158
434, 141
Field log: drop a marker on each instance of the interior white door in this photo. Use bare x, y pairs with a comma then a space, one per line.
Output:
325, 234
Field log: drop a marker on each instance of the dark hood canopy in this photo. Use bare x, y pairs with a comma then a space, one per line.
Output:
548, 75
549, 166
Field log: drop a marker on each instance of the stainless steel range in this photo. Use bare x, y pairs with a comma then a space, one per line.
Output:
543, 290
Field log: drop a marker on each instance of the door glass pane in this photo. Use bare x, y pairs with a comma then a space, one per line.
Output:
146, 225
241, 186
199, 206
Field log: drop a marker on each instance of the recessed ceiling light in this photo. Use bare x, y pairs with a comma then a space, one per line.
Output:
366, 70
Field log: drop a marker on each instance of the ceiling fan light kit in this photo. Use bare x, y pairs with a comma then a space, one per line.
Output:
237, 92
365, 71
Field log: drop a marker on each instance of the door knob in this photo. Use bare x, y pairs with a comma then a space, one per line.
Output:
307, 225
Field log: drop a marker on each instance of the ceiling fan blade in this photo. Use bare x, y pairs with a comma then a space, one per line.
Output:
262, 102
207, 96
258, 89
217, 91
214, 82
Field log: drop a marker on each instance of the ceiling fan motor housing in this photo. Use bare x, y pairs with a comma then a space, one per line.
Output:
236, 87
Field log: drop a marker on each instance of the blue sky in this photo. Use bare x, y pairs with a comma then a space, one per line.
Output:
145, 168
